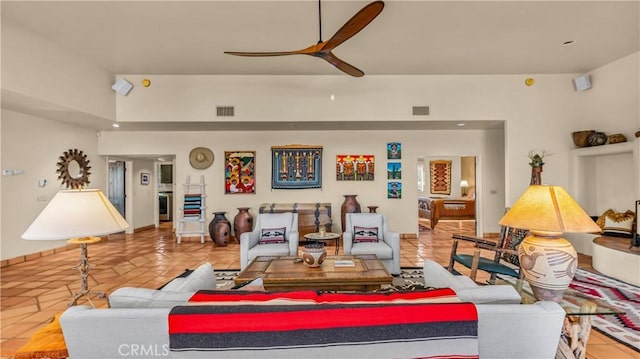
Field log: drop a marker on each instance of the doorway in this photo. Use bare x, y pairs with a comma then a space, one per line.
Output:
460, 204
117, 185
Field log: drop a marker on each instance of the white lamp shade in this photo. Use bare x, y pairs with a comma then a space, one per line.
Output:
464, 183
76, 214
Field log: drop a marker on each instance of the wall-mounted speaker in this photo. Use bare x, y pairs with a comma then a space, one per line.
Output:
582, 83
122, 87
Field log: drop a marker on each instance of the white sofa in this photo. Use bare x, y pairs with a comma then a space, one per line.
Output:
527, 331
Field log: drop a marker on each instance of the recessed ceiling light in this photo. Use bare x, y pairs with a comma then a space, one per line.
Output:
115, 125
569, 42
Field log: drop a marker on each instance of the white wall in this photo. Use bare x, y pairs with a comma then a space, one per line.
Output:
402, 213
144, 196
34, 146
36, 68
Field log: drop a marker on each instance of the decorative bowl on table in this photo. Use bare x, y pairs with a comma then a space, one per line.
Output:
314, 254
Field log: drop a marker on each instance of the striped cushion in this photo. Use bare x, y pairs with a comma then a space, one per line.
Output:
365, 234
332, 330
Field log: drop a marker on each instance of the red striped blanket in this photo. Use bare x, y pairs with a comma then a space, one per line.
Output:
372, 328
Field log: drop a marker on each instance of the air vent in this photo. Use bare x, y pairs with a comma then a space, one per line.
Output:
225, 111
421, 110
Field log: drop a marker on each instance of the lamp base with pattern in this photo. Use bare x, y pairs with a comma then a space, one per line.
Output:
549, 263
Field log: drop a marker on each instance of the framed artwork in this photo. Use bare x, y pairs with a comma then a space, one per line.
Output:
144, 178
355, 167
394, 170
296, 166
394, 151
440, 176
394, 190
240, 172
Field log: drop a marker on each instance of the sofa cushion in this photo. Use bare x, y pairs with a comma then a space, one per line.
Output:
617, 224
365, 234
129, 297
272, 235
201, 278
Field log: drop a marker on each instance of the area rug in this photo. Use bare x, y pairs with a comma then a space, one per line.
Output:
409, 278
624, 328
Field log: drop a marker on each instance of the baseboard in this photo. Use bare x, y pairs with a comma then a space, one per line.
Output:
140, 229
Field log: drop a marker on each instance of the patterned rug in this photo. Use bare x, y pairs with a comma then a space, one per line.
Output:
409, 278
624, 328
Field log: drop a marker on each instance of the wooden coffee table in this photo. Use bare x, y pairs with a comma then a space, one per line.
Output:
284, 273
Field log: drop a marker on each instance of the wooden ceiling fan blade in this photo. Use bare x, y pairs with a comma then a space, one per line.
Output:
341, 65
357, 22
306, 51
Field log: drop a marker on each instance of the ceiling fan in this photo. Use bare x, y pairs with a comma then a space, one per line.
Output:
323, 48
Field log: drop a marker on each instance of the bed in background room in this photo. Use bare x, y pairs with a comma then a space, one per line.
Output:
435, 209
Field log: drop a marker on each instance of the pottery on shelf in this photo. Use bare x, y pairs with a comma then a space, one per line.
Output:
597, 139
242, 222
314, 254
350, 205
220, 229
617, 138
580, 138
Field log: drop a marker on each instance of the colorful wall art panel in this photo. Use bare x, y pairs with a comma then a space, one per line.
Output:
440, 176
394, 151
296, 166
394, 190
355, 167
394, 170
240, 172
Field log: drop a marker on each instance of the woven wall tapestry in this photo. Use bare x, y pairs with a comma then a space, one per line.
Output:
296, 166
440, 172
355, 167
240, 172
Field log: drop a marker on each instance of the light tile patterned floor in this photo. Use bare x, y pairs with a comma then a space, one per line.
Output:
32, 292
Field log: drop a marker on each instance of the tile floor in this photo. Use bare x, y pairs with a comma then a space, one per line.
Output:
32, 292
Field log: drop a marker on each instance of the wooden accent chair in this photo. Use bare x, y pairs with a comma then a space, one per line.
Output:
504, 251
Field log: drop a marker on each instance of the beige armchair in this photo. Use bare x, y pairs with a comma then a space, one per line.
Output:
386, 246
250, 246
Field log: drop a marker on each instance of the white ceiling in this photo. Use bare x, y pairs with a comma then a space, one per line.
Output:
414, 37
408, 37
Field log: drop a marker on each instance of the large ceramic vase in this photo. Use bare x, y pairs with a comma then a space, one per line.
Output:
350, 205
220, 229
549, 264
242, 222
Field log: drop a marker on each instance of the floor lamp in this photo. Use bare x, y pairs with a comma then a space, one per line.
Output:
79, 216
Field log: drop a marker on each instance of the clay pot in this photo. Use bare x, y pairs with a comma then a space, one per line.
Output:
350, 205
242, 222
580, 138
313, 255
597, 139
220, 229
637, 133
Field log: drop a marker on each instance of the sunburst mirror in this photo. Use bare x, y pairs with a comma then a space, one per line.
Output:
73, 169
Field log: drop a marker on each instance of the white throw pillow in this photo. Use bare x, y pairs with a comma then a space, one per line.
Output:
200, 279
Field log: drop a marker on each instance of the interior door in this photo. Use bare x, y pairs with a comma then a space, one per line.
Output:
116, 185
